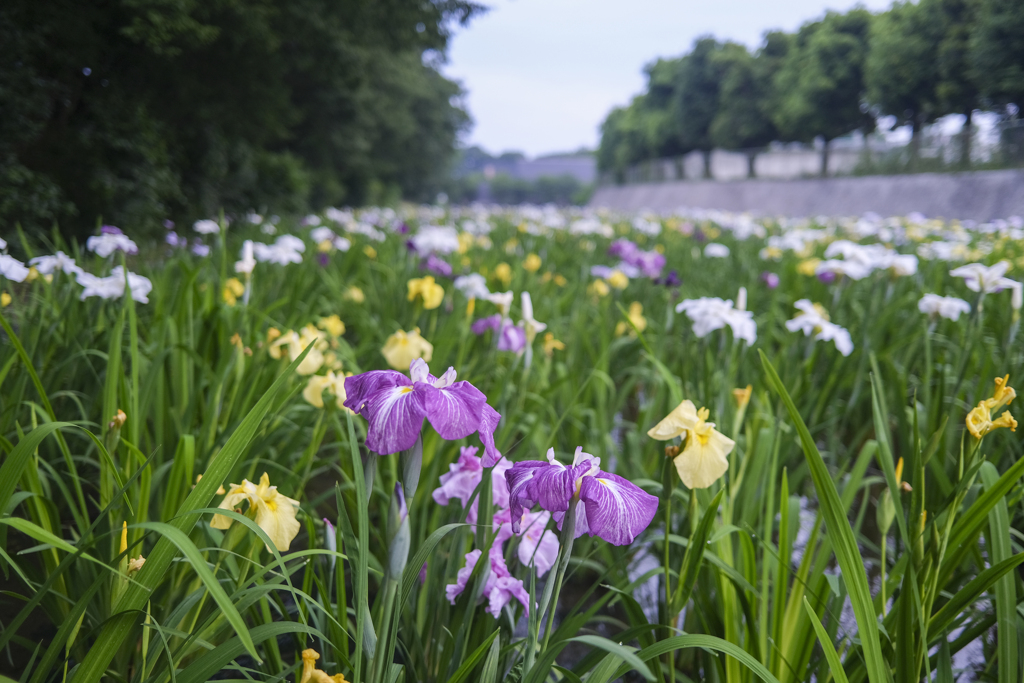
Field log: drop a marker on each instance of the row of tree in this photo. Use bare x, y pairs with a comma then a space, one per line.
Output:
916, 62
137, 111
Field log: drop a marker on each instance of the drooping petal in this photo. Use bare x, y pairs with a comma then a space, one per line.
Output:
489, 419
395, 419
682, 417
456, 411
461, 480
276, 516
518, 478
701, 464
499, 489
546, 554
231, 500
538, 546
359, 388
617, 510
503, 589
454, 590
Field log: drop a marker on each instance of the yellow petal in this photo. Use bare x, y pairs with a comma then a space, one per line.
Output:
701, 463
682, 418
275, 514
234, 497
313, 393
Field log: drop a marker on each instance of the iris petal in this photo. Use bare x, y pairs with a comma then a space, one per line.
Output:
395, 419
456, 411
489, 419
360, 388
617, 510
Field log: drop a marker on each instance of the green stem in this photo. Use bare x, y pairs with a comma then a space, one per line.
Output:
568, 537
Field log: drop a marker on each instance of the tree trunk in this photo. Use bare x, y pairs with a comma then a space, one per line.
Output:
915, 142
751, 172
824, 158
965, 139
706, 153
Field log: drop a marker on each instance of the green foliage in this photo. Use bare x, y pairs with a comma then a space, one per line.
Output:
902, 67
736, 583
145, 110
820, 84
997, 50
916, 61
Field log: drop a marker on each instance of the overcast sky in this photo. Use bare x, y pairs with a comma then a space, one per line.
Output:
541, 75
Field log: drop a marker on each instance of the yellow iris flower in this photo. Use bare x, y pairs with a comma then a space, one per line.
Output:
355, 294
742, 396
618, 279
402, 348
807, 266
531, 263
551, 345
273, 512
979, 420
333, 325
503, 272
233, 288
636, 316
703, 459
426, 288
311, 674
598, 288
335, 382
295, 342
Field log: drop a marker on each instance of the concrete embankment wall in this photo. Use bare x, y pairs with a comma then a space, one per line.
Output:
979, 195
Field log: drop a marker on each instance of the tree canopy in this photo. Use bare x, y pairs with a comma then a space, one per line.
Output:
833, 76
143, 110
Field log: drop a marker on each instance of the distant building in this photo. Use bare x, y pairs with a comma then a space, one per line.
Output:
581, 165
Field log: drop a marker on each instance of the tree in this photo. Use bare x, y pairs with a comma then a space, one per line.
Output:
820, 86
142, 110
901, 69
743, 120
695, 98
997, 51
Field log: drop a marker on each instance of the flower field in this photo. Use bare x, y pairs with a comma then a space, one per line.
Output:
518, 444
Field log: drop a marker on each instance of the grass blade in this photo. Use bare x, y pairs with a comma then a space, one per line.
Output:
843, 541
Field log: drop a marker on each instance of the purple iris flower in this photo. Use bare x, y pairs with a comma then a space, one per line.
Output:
403, 228
827, 276
464, 475
538, 548
770, 279
437, 266
603, 272
323, 259
501, 587
650, 263
110, 230
670, 280
491, 322
608, 506
395, 407
169, 224
513, 338
623, 249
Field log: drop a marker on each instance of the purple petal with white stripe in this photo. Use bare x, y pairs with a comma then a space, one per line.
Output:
456, 411
359, 388
395, 419
617, 510
489, 420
